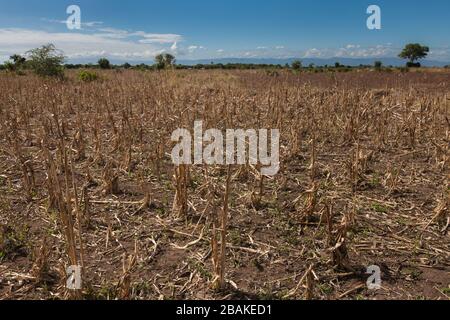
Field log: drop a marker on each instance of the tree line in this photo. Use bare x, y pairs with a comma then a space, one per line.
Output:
49, 61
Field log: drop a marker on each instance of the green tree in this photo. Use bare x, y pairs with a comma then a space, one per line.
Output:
296, 65
17, 64
18, 59
378, 65
9, 66
164, 60
46, 61
104, 63
414, 52
169, 60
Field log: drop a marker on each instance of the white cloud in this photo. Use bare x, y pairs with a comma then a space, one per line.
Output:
74, 44
193, 48
313, 53
441, 54
157, 38
176, 50
143, 46
353, 51
145, 38
347, 51
112, 33
89, 24
92, 23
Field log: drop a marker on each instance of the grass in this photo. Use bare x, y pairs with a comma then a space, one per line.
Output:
379, 208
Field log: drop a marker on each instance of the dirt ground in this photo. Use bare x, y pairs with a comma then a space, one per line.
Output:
363, 181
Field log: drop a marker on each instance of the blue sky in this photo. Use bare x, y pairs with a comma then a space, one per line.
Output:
136, 30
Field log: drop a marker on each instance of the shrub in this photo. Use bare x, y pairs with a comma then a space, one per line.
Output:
297, 65
87, 76
378, 65
9, 66
104, 63
46, 61
16, 64
413, 64
163, 61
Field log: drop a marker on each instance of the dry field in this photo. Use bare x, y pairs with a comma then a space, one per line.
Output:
86, 179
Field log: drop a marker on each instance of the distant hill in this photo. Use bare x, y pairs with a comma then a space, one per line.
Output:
316, 61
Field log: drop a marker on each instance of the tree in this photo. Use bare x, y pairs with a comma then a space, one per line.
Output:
18, 59
164, 60
169, 59
9, 66
104, 63
46, 61
126, 65
17, 64
296, 65
414, 52
378, 65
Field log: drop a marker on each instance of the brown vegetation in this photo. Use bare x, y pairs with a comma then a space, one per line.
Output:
86, 178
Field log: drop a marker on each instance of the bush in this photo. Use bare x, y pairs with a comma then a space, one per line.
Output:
297, 65
164, 61
378, 65
17, 65
46, 61
87, 76
9, 66
413, 65
344, 69
104, 63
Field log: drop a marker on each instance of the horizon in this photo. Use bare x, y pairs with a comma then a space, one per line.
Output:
135, 32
